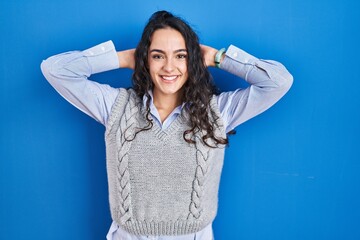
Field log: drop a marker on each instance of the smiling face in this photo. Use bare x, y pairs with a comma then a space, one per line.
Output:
167, 59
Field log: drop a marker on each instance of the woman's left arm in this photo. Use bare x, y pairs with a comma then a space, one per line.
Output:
269, 81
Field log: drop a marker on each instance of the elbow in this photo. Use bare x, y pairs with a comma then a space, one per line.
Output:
45, 67
286, 81
282, 82
283, 77
50, 70
289, 79
277, 73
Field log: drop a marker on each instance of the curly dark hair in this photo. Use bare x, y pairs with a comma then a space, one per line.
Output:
199, 87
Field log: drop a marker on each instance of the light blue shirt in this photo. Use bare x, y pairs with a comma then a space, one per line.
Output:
155, 114
68, 73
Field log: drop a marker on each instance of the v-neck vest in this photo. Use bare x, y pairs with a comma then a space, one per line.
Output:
158, 183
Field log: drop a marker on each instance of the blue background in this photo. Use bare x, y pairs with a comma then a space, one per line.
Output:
290, 173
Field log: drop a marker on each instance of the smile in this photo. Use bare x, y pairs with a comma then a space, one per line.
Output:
169, 78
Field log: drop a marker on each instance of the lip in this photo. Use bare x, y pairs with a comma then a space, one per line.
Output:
169, 78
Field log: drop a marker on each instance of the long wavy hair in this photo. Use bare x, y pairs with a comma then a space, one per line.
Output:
199, 87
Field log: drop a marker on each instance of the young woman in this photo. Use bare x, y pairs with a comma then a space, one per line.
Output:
165, 136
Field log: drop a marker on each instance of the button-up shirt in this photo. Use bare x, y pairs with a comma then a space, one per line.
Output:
68, 73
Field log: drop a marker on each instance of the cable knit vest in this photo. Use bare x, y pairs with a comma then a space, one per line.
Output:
158, 183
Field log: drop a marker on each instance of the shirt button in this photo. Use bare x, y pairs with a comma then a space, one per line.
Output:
235, 54
91, 53
103, 48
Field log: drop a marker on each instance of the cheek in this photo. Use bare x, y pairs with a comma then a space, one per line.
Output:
153, 68
154, 65
183, 68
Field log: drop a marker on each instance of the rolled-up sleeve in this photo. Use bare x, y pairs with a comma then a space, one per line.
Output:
269, 81
68, 73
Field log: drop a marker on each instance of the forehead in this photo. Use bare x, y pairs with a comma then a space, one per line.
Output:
167, 39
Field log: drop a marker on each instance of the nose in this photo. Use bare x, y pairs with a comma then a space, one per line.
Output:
168, 65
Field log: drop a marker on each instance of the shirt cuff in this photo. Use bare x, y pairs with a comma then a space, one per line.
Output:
238, 62
102, 57
240, 55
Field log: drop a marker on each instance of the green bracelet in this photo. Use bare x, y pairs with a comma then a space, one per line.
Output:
218, 57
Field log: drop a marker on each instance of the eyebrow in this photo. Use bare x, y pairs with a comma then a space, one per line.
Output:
161, 51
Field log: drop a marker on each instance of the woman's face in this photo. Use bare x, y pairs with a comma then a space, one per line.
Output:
167, 58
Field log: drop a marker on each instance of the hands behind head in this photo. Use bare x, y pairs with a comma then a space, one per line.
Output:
127, 58
209, 55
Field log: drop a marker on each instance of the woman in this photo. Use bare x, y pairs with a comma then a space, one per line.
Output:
165, 136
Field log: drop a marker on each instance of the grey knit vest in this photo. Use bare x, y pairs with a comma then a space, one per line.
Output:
158, 183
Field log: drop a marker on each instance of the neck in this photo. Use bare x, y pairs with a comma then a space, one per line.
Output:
166, 103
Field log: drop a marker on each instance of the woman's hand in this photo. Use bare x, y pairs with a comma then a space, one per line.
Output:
127, 58
209, 55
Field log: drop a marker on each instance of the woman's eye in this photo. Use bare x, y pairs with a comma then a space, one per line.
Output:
157, 56
181, 56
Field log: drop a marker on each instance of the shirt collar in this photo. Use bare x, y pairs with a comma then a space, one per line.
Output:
152, 105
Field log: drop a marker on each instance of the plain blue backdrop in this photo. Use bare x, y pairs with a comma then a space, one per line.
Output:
290, 173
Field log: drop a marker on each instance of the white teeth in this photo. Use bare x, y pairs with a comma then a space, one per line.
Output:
169, 78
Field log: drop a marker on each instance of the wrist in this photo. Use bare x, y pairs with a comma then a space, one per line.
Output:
219, 56
211, 59
126, 58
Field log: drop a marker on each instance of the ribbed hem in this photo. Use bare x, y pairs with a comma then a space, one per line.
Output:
162, 228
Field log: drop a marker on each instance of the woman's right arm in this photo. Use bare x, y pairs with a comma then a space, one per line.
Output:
68, 73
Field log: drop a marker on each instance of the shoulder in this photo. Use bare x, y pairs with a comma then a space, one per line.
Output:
126, 98
215, 114
125, 95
